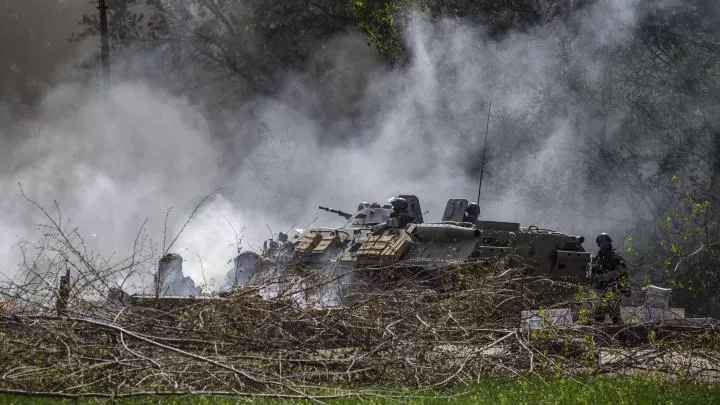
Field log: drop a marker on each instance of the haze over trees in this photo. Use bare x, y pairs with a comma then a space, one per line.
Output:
627, 92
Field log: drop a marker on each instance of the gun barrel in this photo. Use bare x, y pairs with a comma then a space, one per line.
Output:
341, 213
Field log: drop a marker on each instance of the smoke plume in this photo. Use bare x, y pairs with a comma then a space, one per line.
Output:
355, 131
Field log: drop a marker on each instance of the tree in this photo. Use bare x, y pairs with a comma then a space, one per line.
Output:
254, 41
384, 21
664, 150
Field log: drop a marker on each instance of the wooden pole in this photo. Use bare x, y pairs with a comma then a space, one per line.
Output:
104, 42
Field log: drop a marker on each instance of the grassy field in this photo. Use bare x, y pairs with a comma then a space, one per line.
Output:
531, 390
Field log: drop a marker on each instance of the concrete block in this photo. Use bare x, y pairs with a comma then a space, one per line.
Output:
536, 319
635, 315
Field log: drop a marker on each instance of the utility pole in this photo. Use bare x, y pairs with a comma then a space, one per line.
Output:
104, 45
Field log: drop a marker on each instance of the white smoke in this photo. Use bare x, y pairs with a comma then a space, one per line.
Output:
111, 162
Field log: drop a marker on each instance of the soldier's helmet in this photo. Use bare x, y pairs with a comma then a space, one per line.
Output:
473, 209
601, 237
398, 203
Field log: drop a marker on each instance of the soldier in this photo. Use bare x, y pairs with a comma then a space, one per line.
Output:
608, 273
472, 212
399, 218
400, 212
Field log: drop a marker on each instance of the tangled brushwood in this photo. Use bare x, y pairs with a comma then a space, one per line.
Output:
394, 335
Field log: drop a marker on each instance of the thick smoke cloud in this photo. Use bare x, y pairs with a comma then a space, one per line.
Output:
359, 131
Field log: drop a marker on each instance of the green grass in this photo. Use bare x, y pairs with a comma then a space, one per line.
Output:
531, 390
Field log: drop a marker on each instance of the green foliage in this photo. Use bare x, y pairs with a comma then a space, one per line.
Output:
687, 233
378, 20
584, 316
383, 20
630, 249
532, 389
685, 257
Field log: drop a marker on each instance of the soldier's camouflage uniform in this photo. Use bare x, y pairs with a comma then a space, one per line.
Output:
609, 276
609, 271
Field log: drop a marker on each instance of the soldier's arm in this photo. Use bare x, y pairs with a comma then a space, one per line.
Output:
613, 275
619, 262
619, 270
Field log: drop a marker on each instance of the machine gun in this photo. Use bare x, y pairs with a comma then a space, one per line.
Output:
341, 213
591, 270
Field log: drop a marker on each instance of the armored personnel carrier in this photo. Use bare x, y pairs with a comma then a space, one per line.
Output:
393, 242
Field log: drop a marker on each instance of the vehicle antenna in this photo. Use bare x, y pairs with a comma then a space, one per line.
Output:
482, 165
